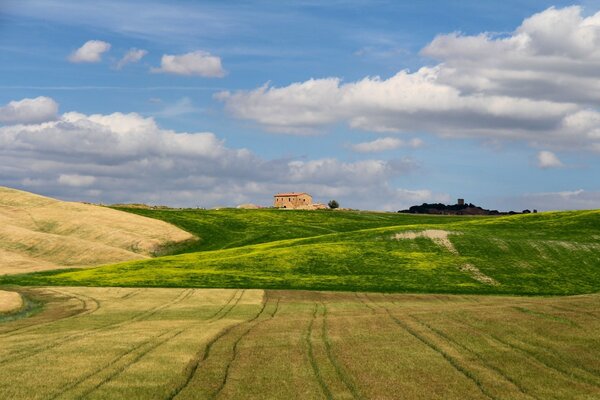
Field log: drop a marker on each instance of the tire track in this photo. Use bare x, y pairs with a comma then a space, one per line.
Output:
202, 355
167, 337
146, 350
83, 311
341, 373
236, 344
450, 359
536, 358
484, 362
131, 294
30, 352
311, 356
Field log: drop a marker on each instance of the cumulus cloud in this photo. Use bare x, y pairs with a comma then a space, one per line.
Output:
384, 144
547, 159
90, 52
131, 57
199, 63
541, 84
129, 158
29, 111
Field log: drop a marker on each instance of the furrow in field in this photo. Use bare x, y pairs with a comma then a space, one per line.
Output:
450, 354
125, 362
203, 354
341, 373
500, 375
31, 324
236, 344
127, 359
311, 356
131, 294
29, 352
228, 306
567, 374
584, 375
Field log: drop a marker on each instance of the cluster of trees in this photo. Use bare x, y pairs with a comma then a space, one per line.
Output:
458, 209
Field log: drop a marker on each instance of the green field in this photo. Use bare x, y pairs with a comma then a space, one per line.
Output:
555, 253
117, 343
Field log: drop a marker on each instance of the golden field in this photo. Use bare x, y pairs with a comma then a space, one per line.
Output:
107, 343
39, 233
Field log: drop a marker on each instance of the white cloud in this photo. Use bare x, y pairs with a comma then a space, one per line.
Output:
540, 84
129, 158
547, 159
132, 56
384, 144
29, 111
198, 63
76, 180
90, 52
564, 200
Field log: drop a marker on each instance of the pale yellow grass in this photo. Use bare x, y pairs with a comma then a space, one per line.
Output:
10, 301
478, 275
120, 343
40, 233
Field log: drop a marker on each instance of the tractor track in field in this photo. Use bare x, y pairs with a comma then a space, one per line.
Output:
131, 294
20, 355
236, 344
146, 346
341, 373
576, 311
311, 356
342, 377
204, 353
483, 361
536, 358
433, 346
85, 310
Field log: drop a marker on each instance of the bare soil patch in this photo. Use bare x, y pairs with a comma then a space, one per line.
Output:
439, 237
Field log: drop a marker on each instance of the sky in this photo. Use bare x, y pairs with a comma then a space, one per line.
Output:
377, 104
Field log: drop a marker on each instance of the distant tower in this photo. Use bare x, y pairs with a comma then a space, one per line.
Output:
461, 202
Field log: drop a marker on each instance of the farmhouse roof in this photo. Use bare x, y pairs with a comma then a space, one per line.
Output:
291, 194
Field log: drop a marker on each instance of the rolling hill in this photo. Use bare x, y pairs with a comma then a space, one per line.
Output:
40, 233
547, 253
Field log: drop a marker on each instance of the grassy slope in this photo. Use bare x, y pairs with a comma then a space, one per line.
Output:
39, 233
547, 253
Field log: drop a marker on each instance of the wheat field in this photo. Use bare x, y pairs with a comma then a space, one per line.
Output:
107, 343
39, 233
10, 302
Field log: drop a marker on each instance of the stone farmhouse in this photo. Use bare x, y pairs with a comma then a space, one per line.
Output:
296, 201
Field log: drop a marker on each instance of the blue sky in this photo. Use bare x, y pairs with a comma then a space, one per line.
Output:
379, 104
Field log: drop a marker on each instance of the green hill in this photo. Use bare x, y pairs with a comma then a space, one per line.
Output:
546, 253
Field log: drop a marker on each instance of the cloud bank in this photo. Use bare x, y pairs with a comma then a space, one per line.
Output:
130, 158
539, 84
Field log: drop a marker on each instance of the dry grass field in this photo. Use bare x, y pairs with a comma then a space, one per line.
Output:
10, 302
38, 233
107, 343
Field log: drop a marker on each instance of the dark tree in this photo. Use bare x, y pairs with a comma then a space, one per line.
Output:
333, 204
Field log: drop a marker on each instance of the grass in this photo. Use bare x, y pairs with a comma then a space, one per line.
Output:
40, 233
555, 253
106, 343
10, 302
